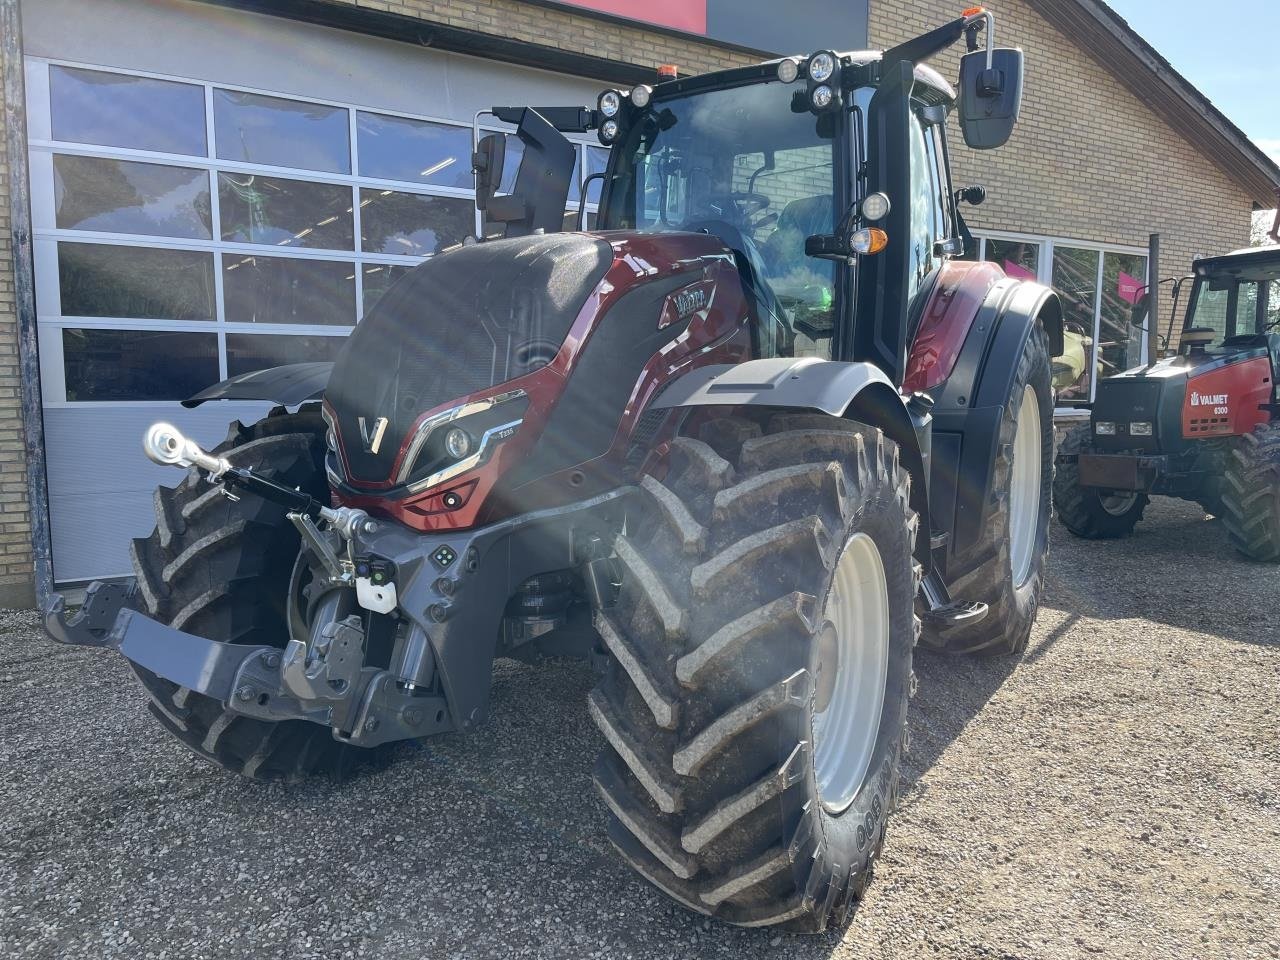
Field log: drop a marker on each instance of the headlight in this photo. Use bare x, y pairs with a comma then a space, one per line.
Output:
457, 443
875, 206
822, 96
610, 103
788, 70
609, 131
640, 95
331, 439
821, 67
1104, 428
1140, 428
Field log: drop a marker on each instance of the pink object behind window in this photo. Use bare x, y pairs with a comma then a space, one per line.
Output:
1018, 271
1128, 288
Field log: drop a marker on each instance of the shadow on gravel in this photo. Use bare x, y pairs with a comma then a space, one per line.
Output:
1131, 578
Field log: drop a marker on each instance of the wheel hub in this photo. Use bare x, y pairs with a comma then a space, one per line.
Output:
1024, 488
852, 664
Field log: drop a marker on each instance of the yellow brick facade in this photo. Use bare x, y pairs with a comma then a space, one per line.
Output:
16, 575
1088, 160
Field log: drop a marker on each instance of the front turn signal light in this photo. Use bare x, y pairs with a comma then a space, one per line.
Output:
869, 240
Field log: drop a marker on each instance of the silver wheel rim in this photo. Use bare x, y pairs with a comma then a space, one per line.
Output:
853, 663
1117, 504
1024, 488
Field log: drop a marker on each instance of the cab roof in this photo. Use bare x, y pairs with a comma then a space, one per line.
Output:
1240, 262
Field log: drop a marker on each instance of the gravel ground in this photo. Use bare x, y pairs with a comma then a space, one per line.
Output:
1116, 793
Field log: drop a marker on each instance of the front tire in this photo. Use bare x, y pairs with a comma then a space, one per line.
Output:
221, 569
754, 724
1087, 511
1251, 494
1006, 568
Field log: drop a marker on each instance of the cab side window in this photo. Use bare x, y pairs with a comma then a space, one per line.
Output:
928, 215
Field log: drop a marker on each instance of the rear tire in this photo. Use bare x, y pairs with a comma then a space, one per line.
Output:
1006, 568
1251, 494
715, 682
1086, 511
220, 569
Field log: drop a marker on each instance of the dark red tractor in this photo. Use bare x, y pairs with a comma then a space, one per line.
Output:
1203, 425
751, 432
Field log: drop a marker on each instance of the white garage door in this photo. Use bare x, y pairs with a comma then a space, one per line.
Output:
215, 192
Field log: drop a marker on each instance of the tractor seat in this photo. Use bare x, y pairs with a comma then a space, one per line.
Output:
783, 251
1199, 335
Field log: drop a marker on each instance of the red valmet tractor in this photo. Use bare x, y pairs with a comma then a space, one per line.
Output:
1203, 425
758, 426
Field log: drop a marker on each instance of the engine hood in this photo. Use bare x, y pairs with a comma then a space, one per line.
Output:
461, 322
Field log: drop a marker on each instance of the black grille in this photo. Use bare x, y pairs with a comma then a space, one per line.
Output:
461, 322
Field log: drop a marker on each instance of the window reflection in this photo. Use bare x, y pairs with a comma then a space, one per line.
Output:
137, 364
1018, 258
99, 280
247, 352
417, 151
378, 279
278, 132
286, 213
1075, 277
1123, 317
412, 225
91, 106
120, 196
285, 290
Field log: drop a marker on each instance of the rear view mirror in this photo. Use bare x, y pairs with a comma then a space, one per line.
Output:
486, 164
990, 97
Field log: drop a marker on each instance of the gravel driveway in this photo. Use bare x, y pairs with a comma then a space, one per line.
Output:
1114, 794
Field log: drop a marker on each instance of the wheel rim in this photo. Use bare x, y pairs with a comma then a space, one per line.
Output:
853, 663
1117, 504
1024, 488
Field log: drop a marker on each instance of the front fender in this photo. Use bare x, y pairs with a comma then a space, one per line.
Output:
855, 391
287, 385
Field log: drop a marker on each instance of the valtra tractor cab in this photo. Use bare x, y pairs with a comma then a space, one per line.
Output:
752, 430
1203, 425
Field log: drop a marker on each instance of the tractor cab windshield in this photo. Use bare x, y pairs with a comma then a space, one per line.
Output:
740, 164
1235, 296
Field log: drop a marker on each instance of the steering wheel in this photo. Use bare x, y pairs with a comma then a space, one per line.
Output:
744, 203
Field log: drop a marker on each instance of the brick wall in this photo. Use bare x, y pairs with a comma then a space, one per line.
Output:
1088, 160
16, 578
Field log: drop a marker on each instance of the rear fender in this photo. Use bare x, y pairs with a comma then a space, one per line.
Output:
969, 405
287, 385
855, 391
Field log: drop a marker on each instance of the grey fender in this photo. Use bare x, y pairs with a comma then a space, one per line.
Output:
855, 391
287, 385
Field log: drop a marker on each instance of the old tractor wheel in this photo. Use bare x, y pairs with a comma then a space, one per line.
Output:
1006, 568
756, 698
1087, 511
1251, 494
221, 569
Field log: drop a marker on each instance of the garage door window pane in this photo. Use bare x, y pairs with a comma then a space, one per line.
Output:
1018, 259
281, 133
378, 278
89, 106
137, 364
248, 351
284, 213
412, 225
1119, 338
97, 280
118, 196
394, 148
277, 290
1075, 277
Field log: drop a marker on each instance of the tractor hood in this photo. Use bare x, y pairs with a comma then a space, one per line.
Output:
460, 323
